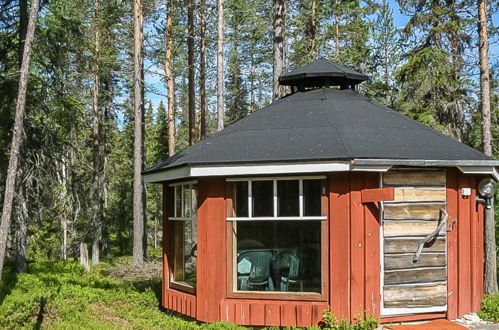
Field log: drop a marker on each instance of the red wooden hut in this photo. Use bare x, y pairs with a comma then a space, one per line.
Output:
324, 199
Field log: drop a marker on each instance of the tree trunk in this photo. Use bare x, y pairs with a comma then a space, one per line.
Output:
64, 239
202, 70
220, 66
337, 30
84, 256
22, 227
170, 83
312, 31
490, 281
285, 47
278, 25
10, 182
97, 143
138, 184
191, 71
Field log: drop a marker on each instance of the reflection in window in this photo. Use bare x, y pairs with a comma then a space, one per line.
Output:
282, 256
312, 197
241, 199
184, 234
263, 192
287, 198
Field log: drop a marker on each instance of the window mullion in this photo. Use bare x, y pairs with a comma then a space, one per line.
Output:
300, 197
250, 200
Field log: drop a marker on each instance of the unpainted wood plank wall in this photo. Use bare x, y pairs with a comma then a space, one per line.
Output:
413, 214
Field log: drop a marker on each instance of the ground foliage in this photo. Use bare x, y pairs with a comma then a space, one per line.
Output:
489, 310
62, 295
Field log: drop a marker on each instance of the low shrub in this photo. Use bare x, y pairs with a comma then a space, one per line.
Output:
331, 322
489, 310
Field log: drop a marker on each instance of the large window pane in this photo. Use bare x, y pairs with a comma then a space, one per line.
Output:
190, 252
263, 192
278, 256
312, 197
287, 198
171, 202
241, 199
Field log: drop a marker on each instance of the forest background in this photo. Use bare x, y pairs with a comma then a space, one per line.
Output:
75, 176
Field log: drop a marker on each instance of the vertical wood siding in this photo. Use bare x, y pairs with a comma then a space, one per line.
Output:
353, 246
212, 256
272, 313
464, 246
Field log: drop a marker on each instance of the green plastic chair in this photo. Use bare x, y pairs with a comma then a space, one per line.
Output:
293, 274
259, 276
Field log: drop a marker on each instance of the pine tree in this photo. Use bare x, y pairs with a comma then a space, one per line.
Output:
385, 56
139, 216
432, 88
16, 136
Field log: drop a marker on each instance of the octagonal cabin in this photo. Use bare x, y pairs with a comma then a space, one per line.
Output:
324, 199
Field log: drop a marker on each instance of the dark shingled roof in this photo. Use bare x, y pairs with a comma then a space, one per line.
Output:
321, 73
323, 124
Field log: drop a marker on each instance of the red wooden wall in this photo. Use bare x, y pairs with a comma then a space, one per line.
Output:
464, 246
354, 258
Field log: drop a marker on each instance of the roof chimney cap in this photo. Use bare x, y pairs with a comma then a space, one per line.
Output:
322, 73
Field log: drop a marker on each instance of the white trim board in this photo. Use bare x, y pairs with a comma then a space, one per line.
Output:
485, 170
408, 311
234, 170
304, 168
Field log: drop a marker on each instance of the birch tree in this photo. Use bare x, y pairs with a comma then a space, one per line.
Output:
17, 133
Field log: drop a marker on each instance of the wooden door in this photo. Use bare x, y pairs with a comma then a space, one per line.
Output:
409, 287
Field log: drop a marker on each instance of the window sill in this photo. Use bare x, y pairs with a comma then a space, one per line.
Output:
183, 286
298, 296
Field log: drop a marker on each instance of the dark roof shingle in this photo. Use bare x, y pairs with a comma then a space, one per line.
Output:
322, 124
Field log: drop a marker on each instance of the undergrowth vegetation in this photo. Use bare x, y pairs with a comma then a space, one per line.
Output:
63, 295
489, 310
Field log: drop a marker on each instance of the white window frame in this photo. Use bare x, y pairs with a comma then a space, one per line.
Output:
182, 186
181, 285
300, 179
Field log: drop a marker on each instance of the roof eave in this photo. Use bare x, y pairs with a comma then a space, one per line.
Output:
482, 167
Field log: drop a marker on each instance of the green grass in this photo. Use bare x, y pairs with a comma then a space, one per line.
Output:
62, 295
